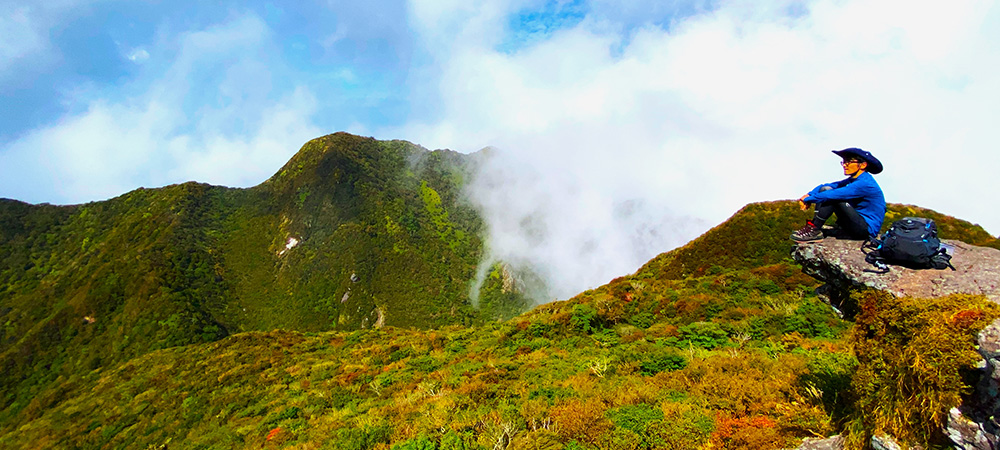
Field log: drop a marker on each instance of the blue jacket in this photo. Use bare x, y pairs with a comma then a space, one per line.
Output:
863, 193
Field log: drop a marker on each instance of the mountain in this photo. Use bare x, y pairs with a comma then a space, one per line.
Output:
328, 307
721, 343
351, 233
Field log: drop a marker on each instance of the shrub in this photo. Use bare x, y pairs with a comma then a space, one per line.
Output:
912, 356
683, 427
830, 377
661, 361
583, 318
621, 439
757, 432
581, 420
707, 335
642, 320
424, 364
418, 443
634, 417
453, 440
364, 438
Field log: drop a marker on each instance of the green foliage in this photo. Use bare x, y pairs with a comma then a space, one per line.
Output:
455, 441
419, 443
424, 364
499, 297
634, 417
707, 335
642, 319
362, 438
913, 356
661, 361
583, 318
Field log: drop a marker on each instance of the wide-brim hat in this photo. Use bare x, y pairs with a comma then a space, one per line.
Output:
874, 165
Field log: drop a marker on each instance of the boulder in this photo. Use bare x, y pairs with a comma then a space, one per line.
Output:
830, 443
841, 265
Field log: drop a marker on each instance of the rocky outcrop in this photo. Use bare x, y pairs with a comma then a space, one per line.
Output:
973, 425
841, 265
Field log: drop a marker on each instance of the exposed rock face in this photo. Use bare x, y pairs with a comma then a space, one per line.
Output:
830, 443
841, 264
973, 425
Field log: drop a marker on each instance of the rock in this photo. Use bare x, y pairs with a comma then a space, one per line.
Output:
841, 264
973, 425
885, 442
830, 443
968, 434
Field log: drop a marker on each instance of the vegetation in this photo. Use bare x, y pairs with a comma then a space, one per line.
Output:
737, 358
329, 307
350, 233
917, 357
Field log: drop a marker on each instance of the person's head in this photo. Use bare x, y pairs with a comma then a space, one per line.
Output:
853, 166
856, 161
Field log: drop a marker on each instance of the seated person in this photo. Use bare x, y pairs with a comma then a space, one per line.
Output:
857, 200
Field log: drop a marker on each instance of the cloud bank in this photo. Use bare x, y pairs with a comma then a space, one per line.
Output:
213, 114
614, 140
622, 130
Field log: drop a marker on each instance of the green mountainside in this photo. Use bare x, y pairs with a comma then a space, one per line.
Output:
351, 233
718, 344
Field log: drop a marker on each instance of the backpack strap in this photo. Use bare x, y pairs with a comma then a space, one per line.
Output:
871, 249
941, 255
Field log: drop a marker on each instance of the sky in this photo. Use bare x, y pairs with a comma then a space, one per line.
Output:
623, 129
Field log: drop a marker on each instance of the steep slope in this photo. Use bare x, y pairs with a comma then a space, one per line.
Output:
350, 233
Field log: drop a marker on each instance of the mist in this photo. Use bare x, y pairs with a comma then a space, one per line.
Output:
614, 146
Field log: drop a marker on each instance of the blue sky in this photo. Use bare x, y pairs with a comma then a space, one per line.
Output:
624, 125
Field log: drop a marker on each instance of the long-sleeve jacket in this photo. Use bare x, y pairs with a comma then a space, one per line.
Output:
862, 193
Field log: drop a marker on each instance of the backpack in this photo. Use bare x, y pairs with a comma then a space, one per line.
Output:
910, 242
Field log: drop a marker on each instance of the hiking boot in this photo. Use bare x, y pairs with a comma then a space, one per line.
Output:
807, 233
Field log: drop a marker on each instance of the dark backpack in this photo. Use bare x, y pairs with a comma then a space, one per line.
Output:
910, 242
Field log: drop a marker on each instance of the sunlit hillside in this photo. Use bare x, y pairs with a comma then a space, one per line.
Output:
732, 351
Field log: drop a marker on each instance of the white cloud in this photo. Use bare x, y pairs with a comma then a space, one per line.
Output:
736, 105
25, 27
137, 55
241, 130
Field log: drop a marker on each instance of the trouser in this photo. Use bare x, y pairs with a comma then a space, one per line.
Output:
847, 217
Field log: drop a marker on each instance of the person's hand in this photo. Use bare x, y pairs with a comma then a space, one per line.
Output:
802, 204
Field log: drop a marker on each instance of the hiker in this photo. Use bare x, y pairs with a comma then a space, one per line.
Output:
857, 200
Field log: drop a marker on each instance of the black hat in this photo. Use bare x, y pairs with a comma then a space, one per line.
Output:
874, 166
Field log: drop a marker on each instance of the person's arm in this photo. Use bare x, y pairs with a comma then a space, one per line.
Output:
857, 189
804, 201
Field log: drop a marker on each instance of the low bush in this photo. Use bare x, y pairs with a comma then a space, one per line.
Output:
915, 360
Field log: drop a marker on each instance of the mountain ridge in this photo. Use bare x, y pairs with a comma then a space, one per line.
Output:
350, 233
98, 301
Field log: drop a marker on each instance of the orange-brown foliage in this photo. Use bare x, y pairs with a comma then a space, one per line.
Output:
581, 420
756, 433
966, 318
